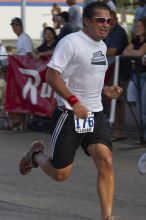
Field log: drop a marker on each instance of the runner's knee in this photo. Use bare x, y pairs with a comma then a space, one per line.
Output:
105, 164
61, 175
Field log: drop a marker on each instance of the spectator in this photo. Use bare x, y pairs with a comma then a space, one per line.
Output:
3, 70
24, 43
2, 97
3, 67
87, 2
117, 39
5, 122
46, 49
44, 25
38, 123
2, 88
24, 46
66, 27
9, 50
3, 55
137, 47
75, 15
115, 2
111, 4
116, 42
55, 11
140, 10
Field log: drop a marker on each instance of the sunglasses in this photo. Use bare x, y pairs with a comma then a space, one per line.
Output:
15, 24
102, 20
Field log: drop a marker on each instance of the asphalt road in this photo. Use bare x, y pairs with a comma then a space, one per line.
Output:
37, 197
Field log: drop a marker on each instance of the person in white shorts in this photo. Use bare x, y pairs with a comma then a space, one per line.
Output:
76, 72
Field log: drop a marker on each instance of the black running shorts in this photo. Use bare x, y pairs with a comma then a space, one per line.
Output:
65, 140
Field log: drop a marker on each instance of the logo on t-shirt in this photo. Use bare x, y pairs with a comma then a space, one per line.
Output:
98, 58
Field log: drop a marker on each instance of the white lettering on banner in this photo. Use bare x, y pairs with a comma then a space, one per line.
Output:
46, 91
30, 85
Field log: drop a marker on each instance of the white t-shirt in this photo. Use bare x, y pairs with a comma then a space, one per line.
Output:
24, 44
82, 63
112, 6
3, 51
3, 56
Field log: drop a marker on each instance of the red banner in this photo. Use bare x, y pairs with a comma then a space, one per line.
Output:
27, 91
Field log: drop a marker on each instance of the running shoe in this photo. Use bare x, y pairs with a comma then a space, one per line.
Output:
142, 164
27, 162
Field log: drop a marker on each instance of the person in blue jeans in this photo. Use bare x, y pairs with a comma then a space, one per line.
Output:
136, 91
116, 42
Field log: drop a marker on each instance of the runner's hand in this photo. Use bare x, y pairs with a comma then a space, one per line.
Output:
79, 110
113, 91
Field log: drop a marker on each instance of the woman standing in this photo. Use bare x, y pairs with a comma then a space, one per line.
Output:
137, 86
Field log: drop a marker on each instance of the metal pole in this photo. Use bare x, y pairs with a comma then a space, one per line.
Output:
139, 88
115, 82
23, 14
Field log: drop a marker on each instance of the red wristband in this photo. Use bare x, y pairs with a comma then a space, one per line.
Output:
72, 100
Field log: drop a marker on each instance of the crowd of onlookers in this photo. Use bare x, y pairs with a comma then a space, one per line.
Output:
131, 51
132, 70
64, 22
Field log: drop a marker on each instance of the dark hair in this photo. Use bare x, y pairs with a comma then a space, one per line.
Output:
50, 29
64, 15
114, 14
89, 10
143, 20
16, 20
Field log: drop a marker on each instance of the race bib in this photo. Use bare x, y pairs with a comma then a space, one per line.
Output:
84, 125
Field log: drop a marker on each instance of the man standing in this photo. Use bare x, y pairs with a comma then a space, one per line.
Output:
78, 78
24, 46
116, 42
111, 4
117, 39
66, 27
24, 43
75, 15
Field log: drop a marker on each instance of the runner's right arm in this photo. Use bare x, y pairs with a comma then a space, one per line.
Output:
54, 79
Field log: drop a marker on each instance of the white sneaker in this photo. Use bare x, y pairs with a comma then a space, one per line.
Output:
142, 164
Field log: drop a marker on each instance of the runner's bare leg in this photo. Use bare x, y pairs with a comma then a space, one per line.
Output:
102, 157
46, 165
